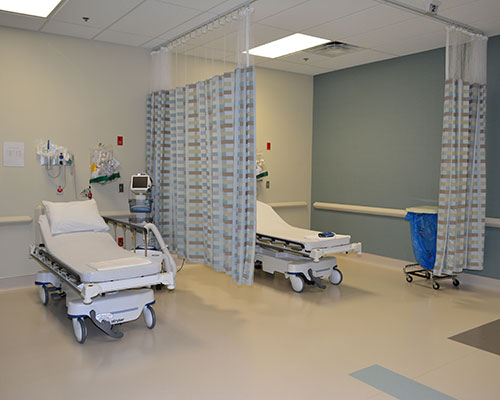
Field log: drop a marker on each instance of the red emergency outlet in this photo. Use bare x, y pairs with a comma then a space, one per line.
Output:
120, 241
119, 140
268, 145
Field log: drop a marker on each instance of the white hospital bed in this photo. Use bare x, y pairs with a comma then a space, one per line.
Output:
298, 253
100, 280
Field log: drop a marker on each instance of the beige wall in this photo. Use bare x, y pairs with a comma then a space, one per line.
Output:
76, 93
284, 118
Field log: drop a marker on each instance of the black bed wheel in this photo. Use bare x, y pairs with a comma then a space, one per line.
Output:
80, 329
336, 277
409, 278
297, 283
455, 282
435, 286
44, 294
149, 317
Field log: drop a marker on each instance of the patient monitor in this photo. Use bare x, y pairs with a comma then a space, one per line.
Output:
140, 201
140, 183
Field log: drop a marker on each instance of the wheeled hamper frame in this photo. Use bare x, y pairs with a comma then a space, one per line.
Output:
416, 269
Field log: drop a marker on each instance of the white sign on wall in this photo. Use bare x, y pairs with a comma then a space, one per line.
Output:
13, 154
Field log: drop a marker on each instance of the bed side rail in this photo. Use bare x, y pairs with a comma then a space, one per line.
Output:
315, 254
56, 266
134, 228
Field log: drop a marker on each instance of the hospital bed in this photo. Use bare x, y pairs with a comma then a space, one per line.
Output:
298, 253
101, 281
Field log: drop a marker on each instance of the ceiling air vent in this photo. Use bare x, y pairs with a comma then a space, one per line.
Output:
333, 49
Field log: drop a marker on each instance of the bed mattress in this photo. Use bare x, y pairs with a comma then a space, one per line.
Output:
271, 225
95, 256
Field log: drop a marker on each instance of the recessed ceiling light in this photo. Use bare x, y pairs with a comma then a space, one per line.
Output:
287, 45
38, 8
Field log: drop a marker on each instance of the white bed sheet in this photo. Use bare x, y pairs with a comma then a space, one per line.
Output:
269, 223
95, 256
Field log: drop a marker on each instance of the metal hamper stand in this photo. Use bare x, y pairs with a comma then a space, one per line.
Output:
416, 269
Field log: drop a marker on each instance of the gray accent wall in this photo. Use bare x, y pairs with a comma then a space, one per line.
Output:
377, 142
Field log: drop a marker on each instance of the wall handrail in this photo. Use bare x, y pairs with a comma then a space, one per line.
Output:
386, 212
288, 204
16, 220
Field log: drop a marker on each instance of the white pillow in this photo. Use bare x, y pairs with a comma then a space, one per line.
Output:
74, 216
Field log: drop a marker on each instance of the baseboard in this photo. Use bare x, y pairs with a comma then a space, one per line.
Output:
478, 281
16, 282
380, 261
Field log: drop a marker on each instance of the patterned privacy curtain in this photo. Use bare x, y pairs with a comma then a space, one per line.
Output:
462, 187
201, 156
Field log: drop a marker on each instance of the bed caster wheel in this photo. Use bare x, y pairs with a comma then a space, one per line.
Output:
79, 329
455, 282
409, 278
44, 294
336, 277
297, 282
149, 317
435, 286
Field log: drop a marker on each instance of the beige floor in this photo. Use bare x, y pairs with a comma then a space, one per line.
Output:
215, 340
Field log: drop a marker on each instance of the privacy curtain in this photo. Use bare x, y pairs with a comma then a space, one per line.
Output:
201, 155
462, 186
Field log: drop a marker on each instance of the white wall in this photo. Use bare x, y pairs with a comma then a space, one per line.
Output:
76, 93
284, 118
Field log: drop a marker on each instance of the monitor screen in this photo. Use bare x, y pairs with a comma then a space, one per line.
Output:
140, 182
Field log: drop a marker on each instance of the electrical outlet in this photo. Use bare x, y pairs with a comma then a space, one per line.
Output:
120, 187
120, 241
268, 184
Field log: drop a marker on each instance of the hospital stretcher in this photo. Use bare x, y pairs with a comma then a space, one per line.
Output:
100, 280
298, 253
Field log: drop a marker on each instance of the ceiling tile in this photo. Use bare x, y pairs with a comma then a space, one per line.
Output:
315, 12
266, 8
312, 59
64, 28
384, 37
202, 5
152, 18
473, 12
101, 13
187, 26
21, 21
445, 4
291, 67
153, 43
490, 27
260, 34
360, 22
129, 39
346, 60
418, 44
227, 5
